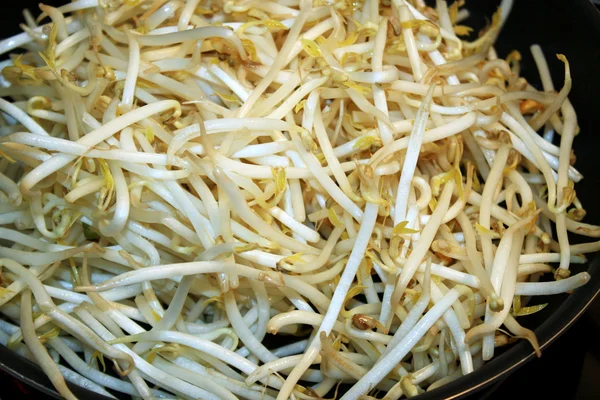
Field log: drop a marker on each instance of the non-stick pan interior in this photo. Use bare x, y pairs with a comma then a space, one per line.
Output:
570, 27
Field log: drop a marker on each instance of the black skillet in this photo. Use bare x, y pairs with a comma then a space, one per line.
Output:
571, 27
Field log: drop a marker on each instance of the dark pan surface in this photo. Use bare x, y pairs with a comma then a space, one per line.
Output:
570, 27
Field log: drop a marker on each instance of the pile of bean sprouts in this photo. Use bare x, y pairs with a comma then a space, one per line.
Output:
258, 199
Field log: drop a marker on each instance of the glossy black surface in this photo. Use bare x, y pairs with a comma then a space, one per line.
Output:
567, 370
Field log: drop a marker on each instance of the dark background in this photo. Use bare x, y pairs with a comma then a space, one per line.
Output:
570, 367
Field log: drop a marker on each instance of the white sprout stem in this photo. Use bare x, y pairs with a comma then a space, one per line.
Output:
409, 41
89, 372
133, 67
458, 332
474, 266
168, 380
566, 143
122, 203
202, 345
22, 117
281, 59
93, 138
364, 233
327, 149
539, 120
244, 333
487, 200
427, 235
79, 380
412, 154
253, 220
11, 189
201, 381
507, 293
38, 350
186, 14
549, 288
525, 136
335, 192
302, 230
500, 272
388, 362
378, 93
415, 312
24, 38
542, 66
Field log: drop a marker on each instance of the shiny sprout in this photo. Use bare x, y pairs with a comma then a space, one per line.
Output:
179, 179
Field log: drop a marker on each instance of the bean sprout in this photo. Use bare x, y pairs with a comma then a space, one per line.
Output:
180, 181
